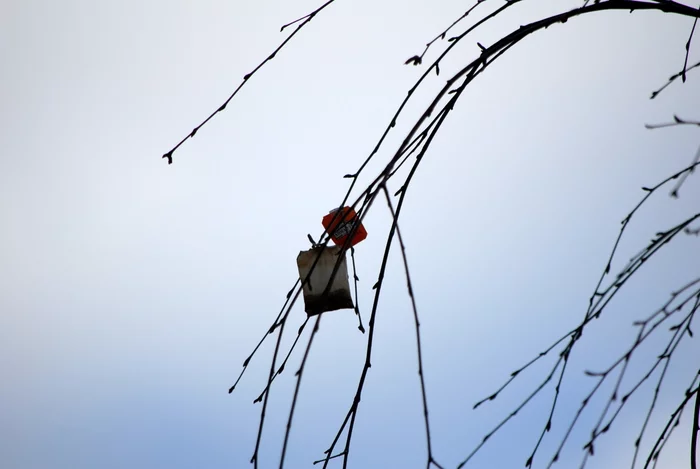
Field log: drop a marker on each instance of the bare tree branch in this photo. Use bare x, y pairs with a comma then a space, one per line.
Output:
681, 306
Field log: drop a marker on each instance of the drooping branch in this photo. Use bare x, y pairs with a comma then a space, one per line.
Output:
415, 145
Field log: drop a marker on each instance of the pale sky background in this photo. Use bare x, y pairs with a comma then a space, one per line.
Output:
131, 291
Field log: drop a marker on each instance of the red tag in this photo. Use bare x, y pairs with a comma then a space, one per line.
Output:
341, 223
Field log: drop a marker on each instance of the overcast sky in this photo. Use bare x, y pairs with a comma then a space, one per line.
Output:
131, 290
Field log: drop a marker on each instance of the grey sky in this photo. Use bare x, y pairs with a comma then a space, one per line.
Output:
131, 291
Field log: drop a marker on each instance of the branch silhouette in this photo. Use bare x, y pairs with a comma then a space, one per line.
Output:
675, 316
303, 21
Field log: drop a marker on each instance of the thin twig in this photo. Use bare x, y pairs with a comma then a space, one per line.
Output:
246, 362
298, 375
694, 433
411, 294
671, 79
357, 298
687, 49
306, 19
258, 439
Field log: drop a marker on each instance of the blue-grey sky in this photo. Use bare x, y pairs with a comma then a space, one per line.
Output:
131, 291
